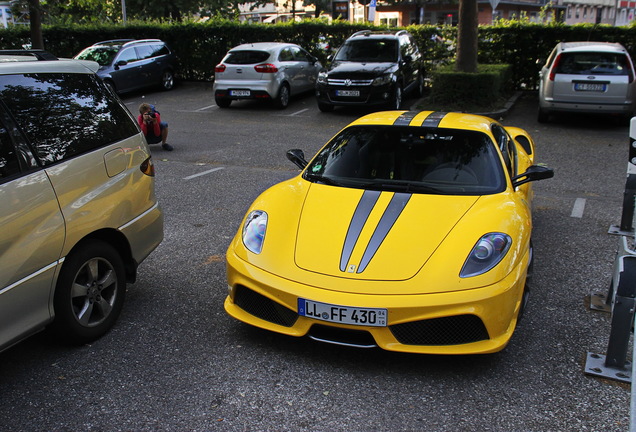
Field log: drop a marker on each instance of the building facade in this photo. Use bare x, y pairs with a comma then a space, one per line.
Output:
611, 12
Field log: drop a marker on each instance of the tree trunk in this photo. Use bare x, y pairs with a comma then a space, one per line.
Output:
37, 41
467, 37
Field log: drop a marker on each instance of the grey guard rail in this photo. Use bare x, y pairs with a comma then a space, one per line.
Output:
620, 300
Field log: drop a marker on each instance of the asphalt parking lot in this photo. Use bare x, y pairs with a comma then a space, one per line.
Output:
176, 362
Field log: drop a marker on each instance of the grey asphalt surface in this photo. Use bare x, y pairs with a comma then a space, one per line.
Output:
176, 362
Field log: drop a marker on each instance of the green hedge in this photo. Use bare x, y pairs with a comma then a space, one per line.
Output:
493, 82
200, 46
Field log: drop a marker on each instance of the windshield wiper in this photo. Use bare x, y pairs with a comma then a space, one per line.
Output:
405, 186
318, 178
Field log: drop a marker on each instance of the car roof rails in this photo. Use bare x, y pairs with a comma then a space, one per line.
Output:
379, 33
37, 53
138, 41
361, 33
113, 41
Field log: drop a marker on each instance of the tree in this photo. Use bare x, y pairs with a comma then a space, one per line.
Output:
320, 5
100, 11
467, 35
37, 40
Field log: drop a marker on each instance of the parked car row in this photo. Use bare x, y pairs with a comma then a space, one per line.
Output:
370, 69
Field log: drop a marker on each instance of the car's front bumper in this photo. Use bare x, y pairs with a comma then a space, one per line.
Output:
368, 95
463, 322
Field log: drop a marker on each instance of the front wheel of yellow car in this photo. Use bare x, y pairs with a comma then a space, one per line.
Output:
90, 292
526, 289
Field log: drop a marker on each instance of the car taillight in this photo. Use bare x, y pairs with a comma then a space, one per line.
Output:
219, 68
266, 68
630, 72
554, 67
147, 167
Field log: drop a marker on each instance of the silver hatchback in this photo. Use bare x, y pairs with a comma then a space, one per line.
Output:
264, 70
588, 77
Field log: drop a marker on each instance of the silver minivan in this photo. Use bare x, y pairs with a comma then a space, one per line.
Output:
78, 211
587, 77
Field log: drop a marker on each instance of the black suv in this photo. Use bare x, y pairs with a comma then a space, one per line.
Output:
372, 68
127, 64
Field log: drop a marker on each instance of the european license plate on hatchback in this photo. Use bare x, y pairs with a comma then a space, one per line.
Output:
375, 317
591, 87
242, 93
350, 93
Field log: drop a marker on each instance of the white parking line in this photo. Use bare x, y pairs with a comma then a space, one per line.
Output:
297, 112
207, 107
579, 207
202, 173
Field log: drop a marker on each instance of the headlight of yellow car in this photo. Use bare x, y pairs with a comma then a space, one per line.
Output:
487, 253
254, 231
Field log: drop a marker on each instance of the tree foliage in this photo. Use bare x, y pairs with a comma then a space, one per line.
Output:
111, 11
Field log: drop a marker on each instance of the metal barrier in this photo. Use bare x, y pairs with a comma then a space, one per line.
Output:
621, 298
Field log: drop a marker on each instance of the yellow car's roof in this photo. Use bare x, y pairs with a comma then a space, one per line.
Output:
427, 118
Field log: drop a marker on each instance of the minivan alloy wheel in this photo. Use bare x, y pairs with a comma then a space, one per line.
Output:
90, 292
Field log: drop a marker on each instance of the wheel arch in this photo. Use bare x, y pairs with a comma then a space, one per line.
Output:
117, 240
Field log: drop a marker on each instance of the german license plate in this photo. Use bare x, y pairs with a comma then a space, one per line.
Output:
350, 93
591, 87
375, 317
240, 93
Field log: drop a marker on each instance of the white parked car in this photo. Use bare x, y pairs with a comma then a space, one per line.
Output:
589, 77
264, 70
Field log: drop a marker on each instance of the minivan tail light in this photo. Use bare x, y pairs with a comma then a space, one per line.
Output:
220, 68
147, 167
554, 67
266, 68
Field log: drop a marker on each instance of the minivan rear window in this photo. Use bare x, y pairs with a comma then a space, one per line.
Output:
592, 63
63, 115
246, 57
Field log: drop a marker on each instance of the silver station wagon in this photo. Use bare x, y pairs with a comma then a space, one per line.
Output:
587, 77
271, 71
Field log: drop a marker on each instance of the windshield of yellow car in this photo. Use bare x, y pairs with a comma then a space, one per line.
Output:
410, 159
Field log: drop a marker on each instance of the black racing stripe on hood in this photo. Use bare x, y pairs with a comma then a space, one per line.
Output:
360, 216
405, 118
391, 214
433, 119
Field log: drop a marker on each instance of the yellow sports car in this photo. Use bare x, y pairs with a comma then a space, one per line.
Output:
410, 231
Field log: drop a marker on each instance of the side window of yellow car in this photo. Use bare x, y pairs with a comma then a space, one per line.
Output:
507, 148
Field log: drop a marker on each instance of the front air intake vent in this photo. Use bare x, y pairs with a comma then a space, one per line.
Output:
453, 330
264, 308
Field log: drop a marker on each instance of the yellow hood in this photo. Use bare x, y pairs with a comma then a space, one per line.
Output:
371, 235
